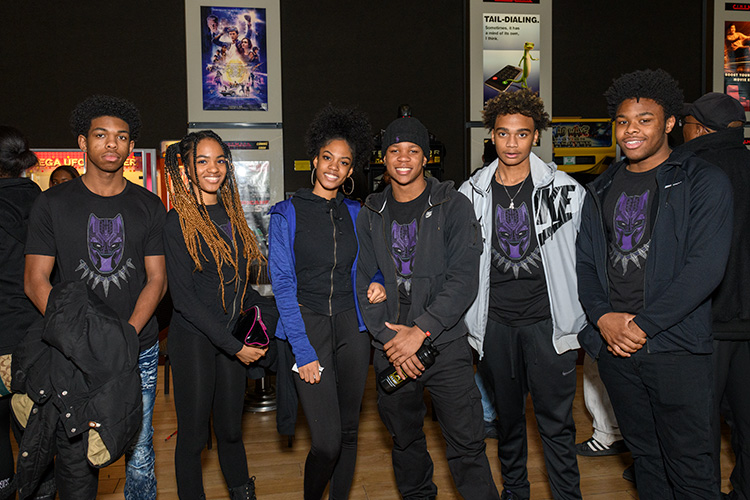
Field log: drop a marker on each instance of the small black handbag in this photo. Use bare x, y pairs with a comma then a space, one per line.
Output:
251, 330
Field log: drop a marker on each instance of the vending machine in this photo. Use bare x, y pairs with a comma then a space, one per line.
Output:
140, 167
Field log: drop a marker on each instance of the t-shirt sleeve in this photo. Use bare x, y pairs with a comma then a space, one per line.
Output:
155, 241
40, 239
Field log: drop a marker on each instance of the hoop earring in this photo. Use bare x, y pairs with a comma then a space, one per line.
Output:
344, 190
312, 176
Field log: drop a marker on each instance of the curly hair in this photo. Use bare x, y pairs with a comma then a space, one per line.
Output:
647, 84
15, 155
348, 124
524, 102
104, 105
195, 222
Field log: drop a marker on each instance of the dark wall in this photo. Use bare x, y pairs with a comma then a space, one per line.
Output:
55, 54
377, 55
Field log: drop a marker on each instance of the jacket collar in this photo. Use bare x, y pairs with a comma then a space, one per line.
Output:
439, 193
720, 140
675, 160
542, 174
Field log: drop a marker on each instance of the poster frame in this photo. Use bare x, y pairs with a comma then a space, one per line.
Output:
476, 60
194, 64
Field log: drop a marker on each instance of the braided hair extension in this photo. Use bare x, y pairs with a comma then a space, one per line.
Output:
195, 222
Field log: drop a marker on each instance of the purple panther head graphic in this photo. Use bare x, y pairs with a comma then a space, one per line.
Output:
106, 238
403, 246
513, 228
630, 220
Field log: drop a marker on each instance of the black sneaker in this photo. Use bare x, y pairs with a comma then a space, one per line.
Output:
593, 448
629, 474
509, 495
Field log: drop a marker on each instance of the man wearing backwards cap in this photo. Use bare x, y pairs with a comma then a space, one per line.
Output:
713, 130
423, 236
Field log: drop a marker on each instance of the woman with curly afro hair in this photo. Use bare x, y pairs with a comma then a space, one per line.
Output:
312, 260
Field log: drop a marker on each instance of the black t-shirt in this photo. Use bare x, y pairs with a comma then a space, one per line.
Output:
101, 240
518, 288
627, 215
325, 247
404, 232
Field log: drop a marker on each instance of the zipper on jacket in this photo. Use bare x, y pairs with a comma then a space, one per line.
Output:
651, 244
330, 295
600, 212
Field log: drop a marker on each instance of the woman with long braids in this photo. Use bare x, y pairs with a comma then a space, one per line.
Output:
209, 251
312, 259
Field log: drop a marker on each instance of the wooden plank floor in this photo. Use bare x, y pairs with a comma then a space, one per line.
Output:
279, 469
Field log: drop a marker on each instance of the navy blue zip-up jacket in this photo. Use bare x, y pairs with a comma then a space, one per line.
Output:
692, 230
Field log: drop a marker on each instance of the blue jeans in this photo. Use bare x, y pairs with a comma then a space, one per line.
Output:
140, 479
488, 399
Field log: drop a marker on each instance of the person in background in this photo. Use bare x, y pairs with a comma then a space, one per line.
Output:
713, 128
209, 251
17, 196
312, 262
63, 173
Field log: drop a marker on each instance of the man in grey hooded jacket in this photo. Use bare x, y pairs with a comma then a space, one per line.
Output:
526, 318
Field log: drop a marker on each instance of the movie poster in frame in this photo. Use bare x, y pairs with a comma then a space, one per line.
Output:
233, 51
737, 61
233, 61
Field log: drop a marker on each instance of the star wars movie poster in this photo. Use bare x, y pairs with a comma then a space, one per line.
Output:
737, 61
510, 53
233, 51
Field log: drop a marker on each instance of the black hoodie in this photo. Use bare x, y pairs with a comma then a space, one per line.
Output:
731, 300
17, 195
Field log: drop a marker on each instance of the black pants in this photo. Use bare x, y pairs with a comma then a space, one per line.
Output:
664, 404
332, 405
458, 406
731, 360
205, 381
519, 360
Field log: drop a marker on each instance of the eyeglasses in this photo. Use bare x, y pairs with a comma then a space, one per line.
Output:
683, 123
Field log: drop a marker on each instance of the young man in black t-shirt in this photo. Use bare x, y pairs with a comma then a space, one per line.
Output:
526, 317
422, 235
106, 231
653, 245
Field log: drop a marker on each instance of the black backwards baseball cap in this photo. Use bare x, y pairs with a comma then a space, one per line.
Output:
406, 129
716, 111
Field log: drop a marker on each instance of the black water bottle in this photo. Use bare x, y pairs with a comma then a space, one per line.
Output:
391, 379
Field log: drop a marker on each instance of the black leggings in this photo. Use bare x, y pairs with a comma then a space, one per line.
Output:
332, 406
206, 380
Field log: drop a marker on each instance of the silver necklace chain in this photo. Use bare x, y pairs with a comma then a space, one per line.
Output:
512, 205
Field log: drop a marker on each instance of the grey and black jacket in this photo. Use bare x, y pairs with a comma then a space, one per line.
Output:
446, 265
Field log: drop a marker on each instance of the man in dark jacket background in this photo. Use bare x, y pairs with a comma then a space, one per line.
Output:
713, 130
652, 247
423, 236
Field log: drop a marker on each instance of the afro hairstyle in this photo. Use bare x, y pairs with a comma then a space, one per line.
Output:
104, 105
348, 124
522, 102
657, 85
